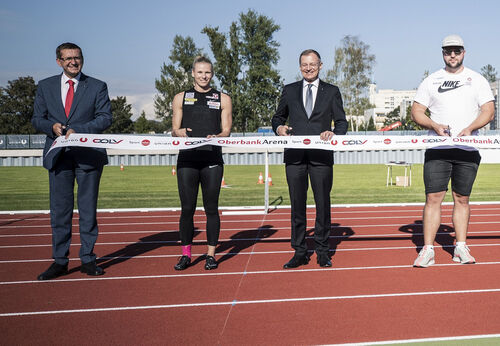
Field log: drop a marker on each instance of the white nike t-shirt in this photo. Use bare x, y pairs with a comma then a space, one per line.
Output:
454, 99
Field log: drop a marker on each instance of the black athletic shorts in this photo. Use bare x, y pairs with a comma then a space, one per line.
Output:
459, 165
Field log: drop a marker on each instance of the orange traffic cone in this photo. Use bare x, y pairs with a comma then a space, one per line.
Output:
173, 170
261, 179
122, 167
223, 183
270, 180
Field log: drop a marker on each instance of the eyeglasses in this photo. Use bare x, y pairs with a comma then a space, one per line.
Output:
311, 66
457, 51
69, 58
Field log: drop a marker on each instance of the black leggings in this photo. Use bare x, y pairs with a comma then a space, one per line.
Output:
189, 177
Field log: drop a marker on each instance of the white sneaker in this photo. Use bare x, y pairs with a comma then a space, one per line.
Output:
462, 255
425, 258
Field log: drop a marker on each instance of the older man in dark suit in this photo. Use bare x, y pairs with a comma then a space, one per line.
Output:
68, 103
310, 106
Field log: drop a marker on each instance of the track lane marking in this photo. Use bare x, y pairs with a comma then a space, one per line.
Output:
257, 272
257, 240
257, 301
280, 229
334, 219
239, 253
407, 341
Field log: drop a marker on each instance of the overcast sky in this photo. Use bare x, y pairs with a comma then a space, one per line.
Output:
126, 42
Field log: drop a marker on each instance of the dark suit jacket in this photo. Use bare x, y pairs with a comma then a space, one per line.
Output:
90, 113
328, 108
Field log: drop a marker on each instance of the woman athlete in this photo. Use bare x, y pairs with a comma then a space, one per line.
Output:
200, 112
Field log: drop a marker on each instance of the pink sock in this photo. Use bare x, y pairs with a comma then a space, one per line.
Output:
186, 250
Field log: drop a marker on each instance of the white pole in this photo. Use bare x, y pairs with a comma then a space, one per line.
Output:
266, 182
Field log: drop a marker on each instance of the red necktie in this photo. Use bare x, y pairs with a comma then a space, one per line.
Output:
69, 97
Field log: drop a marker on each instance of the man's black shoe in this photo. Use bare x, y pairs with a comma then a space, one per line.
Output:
55, 270
183, 263
324, 261
296, 261
210, 263
91, 269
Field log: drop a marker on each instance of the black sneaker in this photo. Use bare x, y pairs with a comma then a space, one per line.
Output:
210, 263
183, 263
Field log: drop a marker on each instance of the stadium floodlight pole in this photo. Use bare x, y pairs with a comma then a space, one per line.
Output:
266, 184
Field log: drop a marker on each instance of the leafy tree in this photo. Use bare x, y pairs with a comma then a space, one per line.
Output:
393, 116
425, 75
407, 122
122, 113
16, 106
368, 127
489, 73
175, 76
143, 125
245, 67
351, 73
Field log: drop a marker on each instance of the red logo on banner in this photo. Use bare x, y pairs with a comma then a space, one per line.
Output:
175, 142
145, 142
334, 142
414, 140
387, 141
83, 139
307, 141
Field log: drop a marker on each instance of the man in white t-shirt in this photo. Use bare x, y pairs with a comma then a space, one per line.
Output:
460, 102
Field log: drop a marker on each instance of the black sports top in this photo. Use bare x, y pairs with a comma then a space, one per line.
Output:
201, 112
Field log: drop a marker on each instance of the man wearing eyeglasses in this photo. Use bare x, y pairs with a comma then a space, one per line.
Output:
460, 102
309, 107
72, 102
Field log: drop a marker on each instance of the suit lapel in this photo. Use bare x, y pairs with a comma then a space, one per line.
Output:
300, 97
320, 96
79, 94
56, 99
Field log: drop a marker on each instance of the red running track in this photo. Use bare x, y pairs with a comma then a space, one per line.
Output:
372, 293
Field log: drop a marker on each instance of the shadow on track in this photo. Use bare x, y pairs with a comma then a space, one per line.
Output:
244, 240
443, 236
144, 245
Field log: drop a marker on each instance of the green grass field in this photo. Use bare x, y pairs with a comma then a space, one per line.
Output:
26, 188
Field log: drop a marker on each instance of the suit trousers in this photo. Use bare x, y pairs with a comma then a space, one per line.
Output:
62, 183
321, 177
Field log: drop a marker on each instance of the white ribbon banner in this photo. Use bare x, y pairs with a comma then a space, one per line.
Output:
337, 143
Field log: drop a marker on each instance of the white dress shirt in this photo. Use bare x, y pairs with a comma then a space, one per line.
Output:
65, 86
314, 90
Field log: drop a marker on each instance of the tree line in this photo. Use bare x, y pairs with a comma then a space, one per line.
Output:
245, 60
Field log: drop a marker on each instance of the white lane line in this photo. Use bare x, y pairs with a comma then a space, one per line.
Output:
407, 341
336, 209
257, 272
355, 235
391, 248
257, 301
270, 220
262, 240
384, 207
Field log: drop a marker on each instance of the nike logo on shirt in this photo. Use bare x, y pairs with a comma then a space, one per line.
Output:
449, 85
